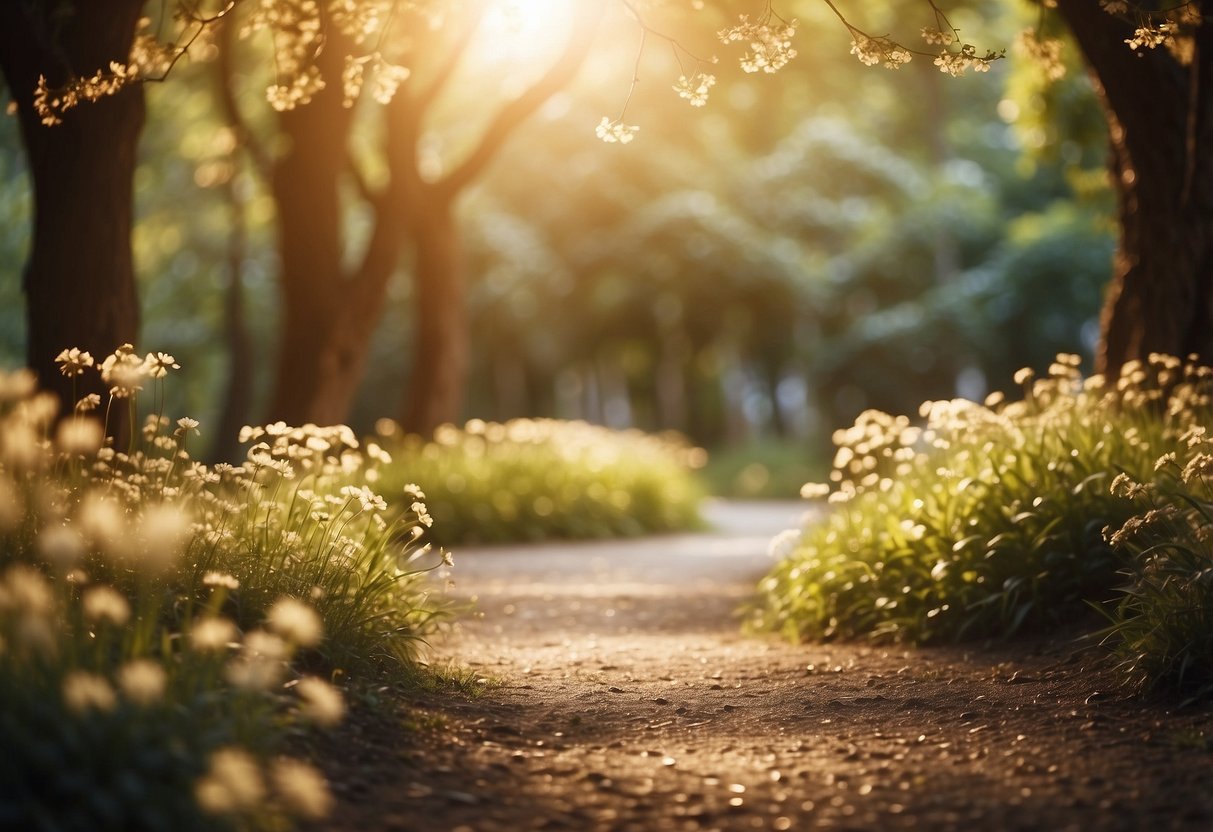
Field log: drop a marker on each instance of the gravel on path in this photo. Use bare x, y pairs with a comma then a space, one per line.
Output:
623, 697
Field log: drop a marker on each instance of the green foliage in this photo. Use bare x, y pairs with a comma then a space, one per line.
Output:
769, 470
986, 521
538, 479
158, 617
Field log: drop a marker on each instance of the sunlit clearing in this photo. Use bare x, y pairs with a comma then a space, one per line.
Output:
525, 33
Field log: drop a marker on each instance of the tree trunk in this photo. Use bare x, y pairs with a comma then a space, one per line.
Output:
306, 187
435, 390
1160, 120
79, 280
238, 395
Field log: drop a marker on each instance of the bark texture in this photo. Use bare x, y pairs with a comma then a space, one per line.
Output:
79, 280
1160, 122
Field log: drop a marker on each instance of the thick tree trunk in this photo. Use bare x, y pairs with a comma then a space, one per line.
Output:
80, 280
436, 385
1160, 120
306, 187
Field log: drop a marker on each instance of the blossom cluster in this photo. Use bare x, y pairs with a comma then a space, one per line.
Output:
386, 78
614, 130
1046, 52
770, 43
872, 51
695, 89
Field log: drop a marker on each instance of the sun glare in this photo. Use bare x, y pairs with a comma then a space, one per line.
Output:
526, 31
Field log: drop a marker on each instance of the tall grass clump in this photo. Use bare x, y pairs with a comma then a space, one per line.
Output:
1161, 626
535, 479
988, 519
164, 624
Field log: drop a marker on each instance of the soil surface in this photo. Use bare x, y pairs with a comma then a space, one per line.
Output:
625, 698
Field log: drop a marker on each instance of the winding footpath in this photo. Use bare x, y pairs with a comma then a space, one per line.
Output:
623, 697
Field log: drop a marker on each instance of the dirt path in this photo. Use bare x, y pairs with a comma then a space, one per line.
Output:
627, 700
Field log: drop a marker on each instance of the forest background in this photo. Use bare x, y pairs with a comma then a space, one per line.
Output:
759, 270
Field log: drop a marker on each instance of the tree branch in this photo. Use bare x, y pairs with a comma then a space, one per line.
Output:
512, 114
454, 54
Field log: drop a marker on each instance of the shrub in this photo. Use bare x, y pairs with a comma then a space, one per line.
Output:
535, 479
985, 521
157, 616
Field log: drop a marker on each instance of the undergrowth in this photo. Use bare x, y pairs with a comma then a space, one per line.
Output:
164, 624
987, 520
536, 479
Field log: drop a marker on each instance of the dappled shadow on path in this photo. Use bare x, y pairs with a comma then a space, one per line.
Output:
625, 698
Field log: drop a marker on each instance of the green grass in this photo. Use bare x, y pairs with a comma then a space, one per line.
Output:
164, 625
538, 479
989, 520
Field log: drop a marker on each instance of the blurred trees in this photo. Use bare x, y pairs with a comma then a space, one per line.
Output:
331, 308
774, 262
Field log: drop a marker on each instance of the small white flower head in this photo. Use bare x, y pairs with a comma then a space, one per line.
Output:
61, 546
142, 682
17, 385
104, 604
185, 424
21, 447
25, 590
368, 499
79, 436
423, 515
212, 634
159, 538
616, 131
695, 89
814, 491
302, 789
124, 372
295, 621
232, 784
320, 702
83, 692
102, 520
937, 37
873, 51
250, 433
220, 580
259, 666
88, 403
73, 362
157, 364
